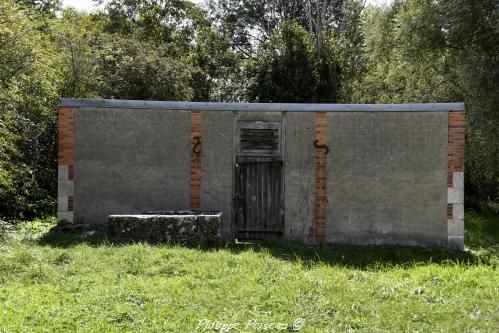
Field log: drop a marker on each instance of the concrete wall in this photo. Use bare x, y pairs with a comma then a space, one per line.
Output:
261, 116
299, 176
386, 171
387, 176
130, 161
216, 162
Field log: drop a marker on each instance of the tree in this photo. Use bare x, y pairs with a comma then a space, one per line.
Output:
29, 83
286, 70
221, 75
170, 24
252, 25
45, 7
129, 69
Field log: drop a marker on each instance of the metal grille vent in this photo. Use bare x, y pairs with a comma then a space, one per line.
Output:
259, 138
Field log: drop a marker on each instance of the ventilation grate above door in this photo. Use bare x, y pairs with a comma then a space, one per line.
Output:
267, 139
258, 138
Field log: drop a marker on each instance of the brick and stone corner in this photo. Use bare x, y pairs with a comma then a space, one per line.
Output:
455, 179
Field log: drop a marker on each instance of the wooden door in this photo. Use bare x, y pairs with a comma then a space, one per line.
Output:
259, 198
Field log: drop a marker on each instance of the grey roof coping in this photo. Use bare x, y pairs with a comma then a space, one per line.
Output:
291, 107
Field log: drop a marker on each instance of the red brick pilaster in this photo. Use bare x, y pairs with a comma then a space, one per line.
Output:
71, 172
66, 160
320, 178
455, 150
196, 170
450, 210
66, 138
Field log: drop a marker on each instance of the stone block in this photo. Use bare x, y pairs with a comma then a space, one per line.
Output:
458, 211
62, 172
458, 179
456, 242
184, 228
65, 216
455, 195
62, 203
455, 227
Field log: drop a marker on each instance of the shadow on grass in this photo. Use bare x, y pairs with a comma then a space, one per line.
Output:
66, 239
365, 257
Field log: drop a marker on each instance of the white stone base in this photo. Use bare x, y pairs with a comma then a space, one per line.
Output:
456, 242
65, 217
455, 225
65, 189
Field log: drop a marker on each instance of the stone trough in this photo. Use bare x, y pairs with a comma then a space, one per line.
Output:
184, 228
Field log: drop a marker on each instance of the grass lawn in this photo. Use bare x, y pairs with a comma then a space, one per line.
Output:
66, 283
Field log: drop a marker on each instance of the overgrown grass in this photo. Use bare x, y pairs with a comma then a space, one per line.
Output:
81, 282
482, 230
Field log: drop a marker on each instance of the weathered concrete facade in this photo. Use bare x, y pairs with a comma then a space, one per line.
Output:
130, 161
389, 167
299, 178
346, 174
216, 189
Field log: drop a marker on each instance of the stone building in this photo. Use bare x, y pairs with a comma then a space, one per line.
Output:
318, 173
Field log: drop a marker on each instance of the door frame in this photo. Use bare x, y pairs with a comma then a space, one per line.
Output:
282, 150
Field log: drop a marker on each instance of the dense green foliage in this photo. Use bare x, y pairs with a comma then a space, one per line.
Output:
254, 50
482, 230
82, 283
29, 89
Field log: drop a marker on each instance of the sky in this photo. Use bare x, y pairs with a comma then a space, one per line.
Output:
88, 5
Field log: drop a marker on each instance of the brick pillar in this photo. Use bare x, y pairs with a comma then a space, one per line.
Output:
65, 177
320, 178
196, 170
455, 179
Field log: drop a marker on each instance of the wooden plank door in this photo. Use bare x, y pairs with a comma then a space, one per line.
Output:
259, 200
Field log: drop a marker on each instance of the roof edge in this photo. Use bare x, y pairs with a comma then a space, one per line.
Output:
291, 107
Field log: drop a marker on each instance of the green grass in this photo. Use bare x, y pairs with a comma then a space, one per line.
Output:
482, 230
81, 283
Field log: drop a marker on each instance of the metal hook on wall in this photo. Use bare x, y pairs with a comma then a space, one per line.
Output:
196, 148
317, 145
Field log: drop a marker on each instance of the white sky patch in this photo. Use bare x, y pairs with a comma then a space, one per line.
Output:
80, 5
378, 2
88, 5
